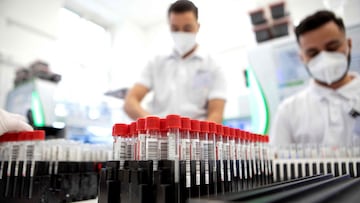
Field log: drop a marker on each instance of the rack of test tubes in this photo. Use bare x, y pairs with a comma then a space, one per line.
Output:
306, 173
33, 169
174, 159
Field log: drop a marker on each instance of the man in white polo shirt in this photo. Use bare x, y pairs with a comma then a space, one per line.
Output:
186, 82
327, 111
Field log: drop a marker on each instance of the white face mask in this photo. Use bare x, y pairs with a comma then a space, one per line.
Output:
183, 41
328, 67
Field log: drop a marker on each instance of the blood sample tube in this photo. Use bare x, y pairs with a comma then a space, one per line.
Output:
152, 126
141, 140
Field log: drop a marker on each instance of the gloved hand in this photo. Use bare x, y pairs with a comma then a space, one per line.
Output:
10, 122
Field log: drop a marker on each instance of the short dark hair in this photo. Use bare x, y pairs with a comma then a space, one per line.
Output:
317, 20
182, 6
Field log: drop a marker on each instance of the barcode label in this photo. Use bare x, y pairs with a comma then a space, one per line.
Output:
239, 157
142, 147
244, 150
205, 157
219, 151
129, 150
122, 153
211, 148
233, 156
186, 155
188, 173
197, 168
228, 170
163, 145
172, 146
226, 151
222, 174
195, 149
151, 150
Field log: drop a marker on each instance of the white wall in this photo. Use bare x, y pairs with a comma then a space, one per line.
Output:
28, 31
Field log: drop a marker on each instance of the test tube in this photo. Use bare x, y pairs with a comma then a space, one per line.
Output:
212, 157
195, 157
220, 158
152, 126
33, 154
233, 158
238, 155
252, 142
163, 140
141, 140
226, 145
121, 131
131, 142
185, 158
204, 130
186, 146
174, 125
257, 140
247, 166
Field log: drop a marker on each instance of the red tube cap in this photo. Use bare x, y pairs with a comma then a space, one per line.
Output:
132, 128
185, 123
173, 121
152, 123
140, 124
238, 133
195, 126
163, 125
204, 126
212, 127
219, 130
37, 135
120, 129
226, 131
232, 132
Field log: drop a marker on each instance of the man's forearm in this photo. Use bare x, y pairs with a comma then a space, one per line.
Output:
215, 117
134, 109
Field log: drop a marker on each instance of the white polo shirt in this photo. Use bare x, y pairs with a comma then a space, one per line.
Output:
183, 86
319, 115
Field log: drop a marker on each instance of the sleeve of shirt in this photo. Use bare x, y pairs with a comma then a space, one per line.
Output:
218, 88
146, 76
280, 132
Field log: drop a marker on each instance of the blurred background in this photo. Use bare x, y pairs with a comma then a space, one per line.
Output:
67, 64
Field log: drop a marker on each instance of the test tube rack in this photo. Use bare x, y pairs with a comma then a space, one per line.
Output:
73, 181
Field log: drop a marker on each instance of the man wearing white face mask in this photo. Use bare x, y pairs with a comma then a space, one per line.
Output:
187, 81
327, 111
